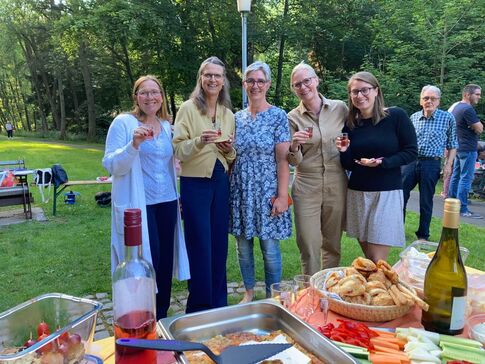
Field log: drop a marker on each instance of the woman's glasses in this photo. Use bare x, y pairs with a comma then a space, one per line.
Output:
305, 82
210, 76
147, 93
364, 91
251, 82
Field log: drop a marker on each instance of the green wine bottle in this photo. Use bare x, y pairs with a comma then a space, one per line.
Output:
445, 282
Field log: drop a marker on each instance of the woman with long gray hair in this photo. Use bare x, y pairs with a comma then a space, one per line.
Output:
204, 129
259, 181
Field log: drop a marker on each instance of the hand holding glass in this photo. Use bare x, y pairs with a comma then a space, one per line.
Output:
343, 138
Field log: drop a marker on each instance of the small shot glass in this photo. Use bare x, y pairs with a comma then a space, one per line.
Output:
343, 138
216, 125
309, 130
283, 293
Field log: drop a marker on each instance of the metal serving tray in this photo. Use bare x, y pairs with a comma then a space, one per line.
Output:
259, 317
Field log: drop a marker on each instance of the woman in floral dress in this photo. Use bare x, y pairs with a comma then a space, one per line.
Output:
260, 173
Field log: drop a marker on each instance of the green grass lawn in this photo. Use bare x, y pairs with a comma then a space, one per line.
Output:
70, 253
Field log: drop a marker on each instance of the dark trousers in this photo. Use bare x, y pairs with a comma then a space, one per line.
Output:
162, 219
425, 174
205, 209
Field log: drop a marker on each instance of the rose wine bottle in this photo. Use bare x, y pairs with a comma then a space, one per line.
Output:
134, 296
445, 282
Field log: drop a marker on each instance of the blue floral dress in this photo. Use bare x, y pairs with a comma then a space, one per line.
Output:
254, 180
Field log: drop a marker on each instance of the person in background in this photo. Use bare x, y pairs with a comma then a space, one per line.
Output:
435, 132
9, 129
469, 128
139, 157
205, 157
381, 141
320, 185
260, 173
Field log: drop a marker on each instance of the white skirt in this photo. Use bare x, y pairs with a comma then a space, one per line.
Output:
376, 217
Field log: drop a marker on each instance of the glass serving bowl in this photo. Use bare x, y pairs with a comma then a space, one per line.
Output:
476, 327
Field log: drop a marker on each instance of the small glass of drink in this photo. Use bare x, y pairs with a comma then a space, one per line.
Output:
216, 125
304, 296
309, 130
343, 138
283, 293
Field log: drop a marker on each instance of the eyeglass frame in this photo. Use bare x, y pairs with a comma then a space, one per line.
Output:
215, 76
148, 93
430, 98
251, 82
364, 91
305, 82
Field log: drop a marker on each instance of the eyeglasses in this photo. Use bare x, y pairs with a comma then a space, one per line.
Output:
252, 81
306, 81
209, 76
147, 93
364, 91
432, 98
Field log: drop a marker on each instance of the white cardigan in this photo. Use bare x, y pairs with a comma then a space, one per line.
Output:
122, 161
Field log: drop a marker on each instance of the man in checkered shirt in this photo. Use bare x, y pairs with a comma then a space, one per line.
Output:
435, 131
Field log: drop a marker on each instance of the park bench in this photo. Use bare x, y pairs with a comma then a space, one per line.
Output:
19, 194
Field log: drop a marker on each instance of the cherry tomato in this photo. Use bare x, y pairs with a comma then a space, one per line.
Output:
46, 348
43, 328
64, 337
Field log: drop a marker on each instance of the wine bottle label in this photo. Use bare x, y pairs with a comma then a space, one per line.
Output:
457, 321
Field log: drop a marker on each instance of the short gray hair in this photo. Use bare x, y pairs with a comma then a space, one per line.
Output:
432, 88
258, 66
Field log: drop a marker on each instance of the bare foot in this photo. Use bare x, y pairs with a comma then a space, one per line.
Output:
248, 296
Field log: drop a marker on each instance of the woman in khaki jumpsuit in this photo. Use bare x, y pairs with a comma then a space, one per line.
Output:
320, 185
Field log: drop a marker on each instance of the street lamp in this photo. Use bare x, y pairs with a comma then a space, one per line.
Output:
244, 7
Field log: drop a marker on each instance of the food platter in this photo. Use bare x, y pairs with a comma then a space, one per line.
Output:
261, 317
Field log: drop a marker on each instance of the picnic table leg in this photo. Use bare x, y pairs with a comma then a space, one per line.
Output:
56, 193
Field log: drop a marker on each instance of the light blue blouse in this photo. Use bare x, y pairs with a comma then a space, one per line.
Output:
156, 158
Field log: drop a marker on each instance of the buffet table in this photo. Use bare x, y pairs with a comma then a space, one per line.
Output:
105, 348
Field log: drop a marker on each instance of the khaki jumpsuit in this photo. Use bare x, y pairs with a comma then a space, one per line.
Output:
320, 186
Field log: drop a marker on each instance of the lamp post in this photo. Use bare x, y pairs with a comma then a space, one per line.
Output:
244, 7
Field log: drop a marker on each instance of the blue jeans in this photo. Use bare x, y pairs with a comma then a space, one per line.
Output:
425, 174
272, 261
462, 177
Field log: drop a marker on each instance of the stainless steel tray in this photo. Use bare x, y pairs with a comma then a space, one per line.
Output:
259, 317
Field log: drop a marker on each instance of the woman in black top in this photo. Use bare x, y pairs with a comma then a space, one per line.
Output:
381, 141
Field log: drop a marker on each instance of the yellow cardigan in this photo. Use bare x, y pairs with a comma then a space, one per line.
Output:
197, 159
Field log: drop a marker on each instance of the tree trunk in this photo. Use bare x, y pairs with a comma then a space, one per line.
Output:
62, 107
279, 72
88, 87
443, 56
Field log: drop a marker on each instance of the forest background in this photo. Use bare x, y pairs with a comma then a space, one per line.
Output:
67, 66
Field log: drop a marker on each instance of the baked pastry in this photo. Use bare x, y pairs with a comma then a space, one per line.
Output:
332, 279
353, 285
382, 299
363, 264
375, 284
363, 299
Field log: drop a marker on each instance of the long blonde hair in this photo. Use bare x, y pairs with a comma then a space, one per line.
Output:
378, 111
198, 94
162, 113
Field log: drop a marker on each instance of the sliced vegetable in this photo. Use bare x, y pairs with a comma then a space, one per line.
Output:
463, 352
459, 340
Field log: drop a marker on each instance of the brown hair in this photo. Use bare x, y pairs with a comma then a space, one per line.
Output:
470, 89
198, 95
378, 112
162, 113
